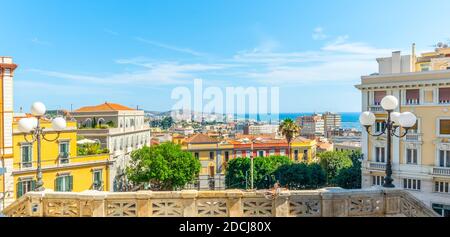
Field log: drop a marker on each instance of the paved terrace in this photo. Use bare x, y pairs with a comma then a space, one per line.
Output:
332, 202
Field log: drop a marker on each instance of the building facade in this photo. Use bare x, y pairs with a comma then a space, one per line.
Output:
332, 123
312, 126
263, 129
421, 159
7, 68
118, 128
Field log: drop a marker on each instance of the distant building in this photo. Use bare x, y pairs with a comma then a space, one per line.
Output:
347, 146
312, 126
262, 129
119, 128
332, 123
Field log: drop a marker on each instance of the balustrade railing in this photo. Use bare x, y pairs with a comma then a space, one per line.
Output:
230, 203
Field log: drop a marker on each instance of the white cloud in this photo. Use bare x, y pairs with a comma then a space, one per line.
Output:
40, 42
170, 47
319, 34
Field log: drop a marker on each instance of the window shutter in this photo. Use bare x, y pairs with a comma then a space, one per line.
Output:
57, 184
70, 183
19, 189
33, 185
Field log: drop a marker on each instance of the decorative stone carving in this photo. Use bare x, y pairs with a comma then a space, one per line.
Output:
257, 207
168, 207
365, 206
61, 207
304, 208
22, 210
211, 208
121, 208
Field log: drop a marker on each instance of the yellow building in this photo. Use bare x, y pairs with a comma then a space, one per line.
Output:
62, 169
214, 154
421, 159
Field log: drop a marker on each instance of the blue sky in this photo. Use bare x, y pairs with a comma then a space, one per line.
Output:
135, 52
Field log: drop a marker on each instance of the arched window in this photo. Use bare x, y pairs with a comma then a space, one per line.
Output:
101, 121
88, 122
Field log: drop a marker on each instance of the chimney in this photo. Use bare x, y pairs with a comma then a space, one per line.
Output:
396, 62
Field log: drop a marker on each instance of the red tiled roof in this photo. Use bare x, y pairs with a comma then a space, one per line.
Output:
201, 138
103, 107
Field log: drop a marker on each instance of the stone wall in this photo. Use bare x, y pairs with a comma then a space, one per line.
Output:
334, 202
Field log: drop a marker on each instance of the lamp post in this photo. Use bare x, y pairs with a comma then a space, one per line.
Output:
251, 167
31, 126
394, 121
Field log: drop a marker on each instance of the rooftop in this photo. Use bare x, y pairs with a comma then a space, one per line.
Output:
104, 107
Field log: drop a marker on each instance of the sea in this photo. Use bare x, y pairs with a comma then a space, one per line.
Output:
350, 120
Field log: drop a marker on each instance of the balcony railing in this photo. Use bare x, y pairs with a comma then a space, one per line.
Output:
377, 166
412, 102
413, 137
64, 157
376, 108
441, 171
331, 202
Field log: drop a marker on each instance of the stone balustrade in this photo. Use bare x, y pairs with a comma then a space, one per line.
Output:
331, 202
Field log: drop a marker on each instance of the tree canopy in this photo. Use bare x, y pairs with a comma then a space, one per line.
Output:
164, 167
333, 162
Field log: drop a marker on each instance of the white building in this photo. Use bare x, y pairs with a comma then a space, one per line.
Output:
263, 129
118, 128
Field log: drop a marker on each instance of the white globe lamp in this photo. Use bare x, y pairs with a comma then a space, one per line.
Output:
407, 119
34, 122
395, 117
25, 125
389, 102
59, 123
367, 118
38, 109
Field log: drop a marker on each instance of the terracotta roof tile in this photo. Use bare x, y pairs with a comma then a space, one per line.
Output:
201, 138
104, 107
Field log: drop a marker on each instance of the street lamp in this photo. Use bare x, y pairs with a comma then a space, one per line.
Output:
393, 122
31, 126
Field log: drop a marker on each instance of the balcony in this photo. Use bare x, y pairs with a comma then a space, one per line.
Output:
441, 171
329, 202
64, 158
376, 108
377, 166
413, 137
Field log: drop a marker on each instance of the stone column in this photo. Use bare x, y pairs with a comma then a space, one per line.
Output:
189, 202
234, 203
143, 203
281, 204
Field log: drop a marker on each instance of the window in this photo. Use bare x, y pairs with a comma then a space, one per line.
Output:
425, 67
211, 155
412, 97
27, 155
444, 95
196, 155
261, 153
272, 152
444, 158
380, 154
441, 187
305, 155
24, 186
238, 153
282, 152
97, 183
211, 171
378, 96
64, 183
444, 127
377, 180
380, 126
296, 155
227, 156
7, 72
412, 184
64, 152
411, 156
443, 210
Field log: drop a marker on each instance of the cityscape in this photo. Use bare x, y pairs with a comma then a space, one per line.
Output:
262, 133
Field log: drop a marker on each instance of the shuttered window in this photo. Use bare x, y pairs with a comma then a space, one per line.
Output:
64, 183
24, 186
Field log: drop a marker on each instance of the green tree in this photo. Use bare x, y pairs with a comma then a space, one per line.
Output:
333, 162
238, 171
289, 130
350, 178
167, 122
301, 176
164, 167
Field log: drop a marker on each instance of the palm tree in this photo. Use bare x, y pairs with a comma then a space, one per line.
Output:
289, 129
